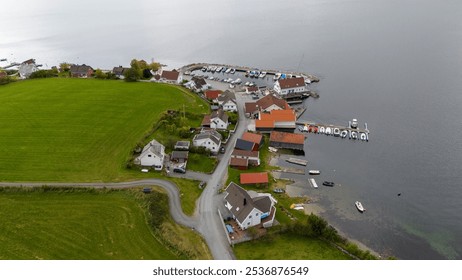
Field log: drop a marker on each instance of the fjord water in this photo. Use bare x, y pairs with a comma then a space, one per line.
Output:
395, 64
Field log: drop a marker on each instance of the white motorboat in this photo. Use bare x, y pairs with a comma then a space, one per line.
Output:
262, 74
354, 124
359, 206
337, 131
219, 68
247, 84
362, 136
232, 71
204, 69
277, 76
228, 70
344, 133
328, 131
237, 81
354, 135
213, 68
305, 128
322, 129
314, 172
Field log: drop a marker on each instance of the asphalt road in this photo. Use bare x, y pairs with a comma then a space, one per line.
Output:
206, 219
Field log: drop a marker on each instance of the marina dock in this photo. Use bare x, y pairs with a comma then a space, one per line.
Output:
335, 130
291, 170
297, 161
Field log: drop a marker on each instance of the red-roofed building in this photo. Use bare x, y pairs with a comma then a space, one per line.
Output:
253, 137
239, 163
276, 120
260, 178
286, 140
291, 85
173, 76
267, 103
212, 94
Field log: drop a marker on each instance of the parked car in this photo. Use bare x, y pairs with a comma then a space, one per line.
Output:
179, 170
222, 150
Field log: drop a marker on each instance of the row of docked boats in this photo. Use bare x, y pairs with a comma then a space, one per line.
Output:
255, 74
218, 69
335, 131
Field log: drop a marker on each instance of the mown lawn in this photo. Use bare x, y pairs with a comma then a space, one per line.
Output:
288, 247
201, 163
75, 224
80, 129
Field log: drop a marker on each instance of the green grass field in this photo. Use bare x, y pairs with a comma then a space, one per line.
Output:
79, 224
79, 130
288, 247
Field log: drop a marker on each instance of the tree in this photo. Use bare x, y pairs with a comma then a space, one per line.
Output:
154, 66
64, 66
137, 67
100, 74
147, 74
131, 75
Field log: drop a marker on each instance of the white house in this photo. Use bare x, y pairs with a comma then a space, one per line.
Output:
153, 155
250, 208
229, 105
27, 68
210, 139
219, 119
291, 85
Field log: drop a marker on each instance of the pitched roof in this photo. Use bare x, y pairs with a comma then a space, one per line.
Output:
243, 153
153, 147
206, 120
119, 70
219, 114
254, 178
80, 69
243, 162
244, 145
252, 89
251, 107
269, 100
264, 124
291, 83
212, 94
208, 135
242, 203
279, 116
170, 75
199, 82
183, 144
252, 137
225, 96
286, 137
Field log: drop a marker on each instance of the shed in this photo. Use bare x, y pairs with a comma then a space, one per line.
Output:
254, 178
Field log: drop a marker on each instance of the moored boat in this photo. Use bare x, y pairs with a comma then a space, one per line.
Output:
232, 71
228, 70
314, 172
354, 135
277, 76
362, 136
336, 131
328, 131
315, 129
354, 124
359, 206
344, 133
262, 74
322, 129
328, 183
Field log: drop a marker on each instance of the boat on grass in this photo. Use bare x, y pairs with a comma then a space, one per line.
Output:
359, 206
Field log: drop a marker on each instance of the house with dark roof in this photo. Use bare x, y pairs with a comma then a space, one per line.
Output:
258, 178
119, 71
197, 84
81, 71
252, 90
250, 208
171, 77
182, 145
286, 140
245, 145
219, 119
153, 155
253, 137
179, 156
266, 104
239, 163
290, 85
210, 139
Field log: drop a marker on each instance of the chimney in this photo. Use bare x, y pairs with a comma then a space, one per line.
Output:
245, 201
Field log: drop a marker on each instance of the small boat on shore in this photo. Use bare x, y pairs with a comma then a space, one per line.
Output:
273, 150
359, 206
313, 183
314, 172
328, 184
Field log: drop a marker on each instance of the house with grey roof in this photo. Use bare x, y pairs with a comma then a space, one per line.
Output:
250, 208
219, 119
227, 100
182, 145
153, 155
210, 139
119, 72
26, 68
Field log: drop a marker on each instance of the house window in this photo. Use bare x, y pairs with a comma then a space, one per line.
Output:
256, 214
248, 223
250, 217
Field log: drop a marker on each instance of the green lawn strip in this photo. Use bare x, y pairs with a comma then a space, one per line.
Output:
201, 163
80, 129
288, 246
189, 194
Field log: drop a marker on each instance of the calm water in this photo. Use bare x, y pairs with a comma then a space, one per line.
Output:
395, 64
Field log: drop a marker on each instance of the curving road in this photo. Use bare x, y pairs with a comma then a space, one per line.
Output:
206, 219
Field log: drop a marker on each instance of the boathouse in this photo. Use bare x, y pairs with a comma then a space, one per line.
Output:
287, 140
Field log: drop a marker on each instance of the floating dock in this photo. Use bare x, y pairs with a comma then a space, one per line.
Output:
313, 183
291, 170
297, 161
334, 130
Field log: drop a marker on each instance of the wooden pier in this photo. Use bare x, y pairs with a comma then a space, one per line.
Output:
297, 161
332, 126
